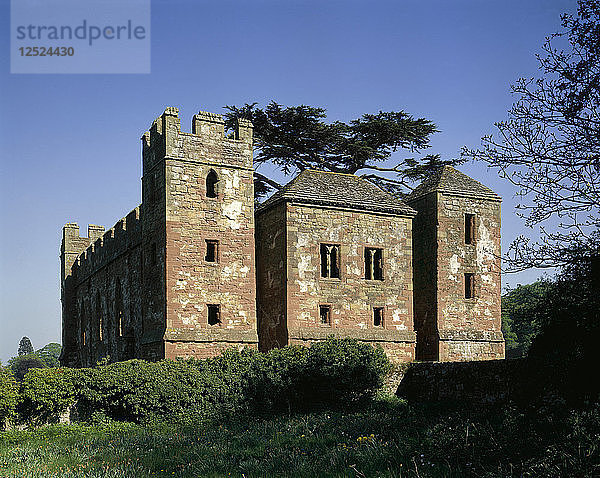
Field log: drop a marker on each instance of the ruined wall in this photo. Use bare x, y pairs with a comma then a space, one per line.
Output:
104, 288
190, 219
470, 329
72, 246
351, 297
425, 277
271, 277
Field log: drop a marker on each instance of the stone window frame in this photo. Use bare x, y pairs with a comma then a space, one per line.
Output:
219, 322
470, 228
383, 314
329, 308
339, 261
364, 263
217, 251
215, 186
469, 286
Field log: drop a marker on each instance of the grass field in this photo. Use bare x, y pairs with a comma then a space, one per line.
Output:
387, 438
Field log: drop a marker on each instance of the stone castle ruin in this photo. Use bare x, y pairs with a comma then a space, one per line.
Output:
196, 268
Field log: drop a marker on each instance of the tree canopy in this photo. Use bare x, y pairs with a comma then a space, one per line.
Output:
25, 347
21, 364
549, 147
520, 311
295, 138
49, 354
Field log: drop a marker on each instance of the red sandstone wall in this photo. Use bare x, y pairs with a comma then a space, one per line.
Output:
470, 329
351, 297
271, 277
192, 218
105, 285
425, 277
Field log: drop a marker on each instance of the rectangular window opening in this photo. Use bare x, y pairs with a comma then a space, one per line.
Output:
469, 228
212, 251
214, 314
330, 261
325, 314
469, 285
373, 263
378, 316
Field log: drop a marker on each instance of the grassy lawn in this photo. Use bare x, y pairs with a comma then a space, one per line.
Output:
387, 438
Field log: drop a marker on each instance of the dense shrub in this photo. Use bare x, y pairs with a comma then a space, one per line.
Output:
23, 363
8, 396
137, 390
45, 394
336, 371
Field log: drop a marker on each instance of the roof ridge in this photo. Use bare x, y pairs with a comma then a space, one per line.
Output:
451, 180
328, 172
337, 189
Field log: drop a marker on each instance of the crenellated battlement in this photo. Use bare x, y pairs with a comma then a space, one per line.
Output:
103, 246
165, 137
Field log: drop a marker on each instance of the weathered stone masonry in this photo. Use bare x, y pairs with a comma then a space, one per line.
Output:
334, 256
451, 326
313, 210
151, 270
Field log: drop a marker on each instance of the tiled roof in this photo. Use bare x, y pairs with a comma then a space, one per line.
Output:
336, 189
451, 181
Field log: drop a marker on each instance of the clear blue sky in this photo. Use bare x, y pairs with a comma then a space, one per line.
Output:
70, 148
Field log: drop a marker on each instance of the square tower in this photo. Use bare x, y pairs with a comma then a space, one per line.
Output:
334, 258
198, 237
456, 252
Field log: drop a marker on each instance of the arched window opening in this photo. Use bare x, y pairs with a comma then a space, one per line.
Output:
211, 184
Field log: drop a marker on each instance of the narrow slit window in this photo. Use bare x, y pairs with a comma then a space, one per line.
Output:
153, 254
100, 319
378, 316
469, 285
211, 184
330, 261
469, 228
212, 251
373, 263
120, 323
325, 314
214, 314
119, 307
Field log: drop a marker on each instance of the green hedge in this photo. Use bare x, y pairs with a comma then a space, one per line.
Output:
8, 396
46, 393
334, 372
